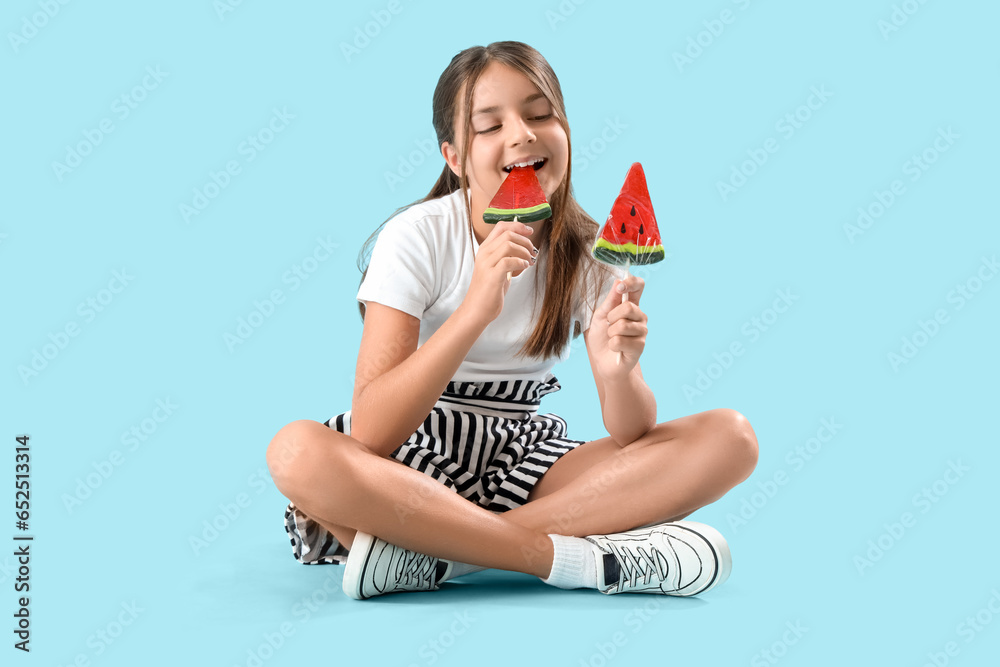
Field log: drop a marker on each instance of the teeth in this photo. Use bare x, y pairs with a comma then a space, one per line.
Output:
523, 164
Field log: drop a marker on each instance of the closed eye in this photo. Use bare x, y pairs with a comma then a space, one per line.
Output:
497, 127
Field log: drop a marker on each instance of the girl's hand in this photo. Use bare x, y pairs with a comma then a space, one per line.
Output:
508, 248
619, 327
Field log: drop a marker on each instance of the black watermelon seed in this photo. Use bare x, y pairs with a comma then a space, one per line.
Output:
633, 211
640, 229
623, 228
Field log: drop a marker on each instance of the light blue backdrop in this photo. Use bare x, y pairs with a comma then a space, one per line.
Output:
825, 178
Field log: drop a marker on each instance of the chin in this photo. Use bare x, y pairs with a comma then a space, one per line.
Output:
555, 188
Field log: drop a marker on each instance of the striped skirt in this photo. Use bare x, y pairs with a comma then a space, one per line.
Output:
484, 440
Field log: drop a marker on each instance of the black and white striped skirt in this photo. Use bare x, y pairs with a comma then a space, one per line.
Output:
484, 440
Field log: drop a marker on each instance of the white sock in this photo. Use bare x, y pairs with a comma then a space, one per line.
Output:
459, 569
574, 563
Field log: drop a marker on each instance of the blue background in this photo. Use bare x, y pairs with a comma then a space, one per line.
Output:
797, 527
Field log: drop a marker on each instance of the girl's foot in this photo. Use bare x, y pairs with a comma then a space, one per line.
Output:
375, 567
681, 558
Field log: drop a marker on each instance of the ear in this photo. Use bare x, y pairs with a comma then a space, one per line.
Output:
451, 157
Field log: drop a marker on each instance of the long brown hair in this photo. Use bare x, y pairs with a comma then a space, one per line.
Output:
563, 243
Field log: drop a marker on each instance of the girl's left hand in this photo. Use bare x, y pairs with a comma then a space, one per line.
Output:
619, 327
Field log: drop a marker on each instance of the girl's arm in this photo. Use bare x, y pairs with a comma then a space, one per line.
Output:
627, 402
627, 406
396, 384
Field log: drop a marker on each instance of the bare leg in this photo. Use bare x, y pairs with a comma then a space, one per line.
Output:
343, 534
599, 487
339, 482
677, 467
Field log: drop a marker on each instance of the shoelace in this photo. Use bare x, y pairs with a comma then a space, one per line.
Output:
635, 562
414, 570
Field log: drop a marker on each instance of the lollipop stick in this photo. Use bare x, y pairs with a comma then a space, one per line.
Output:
618, 362
509, 272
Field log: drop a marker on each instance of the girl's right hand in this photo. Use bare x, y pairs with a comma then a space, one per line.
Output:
508, 248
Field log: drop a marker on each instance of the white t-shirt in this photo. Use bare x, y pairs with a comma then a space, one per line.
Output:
422, 264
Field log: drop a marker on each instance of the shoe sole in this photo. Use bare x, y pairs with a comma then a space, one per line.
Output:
357, 560
720, 550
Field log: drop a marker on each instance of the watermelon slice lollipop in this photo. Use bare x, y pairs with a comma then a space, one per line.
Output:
520, 198
630, 234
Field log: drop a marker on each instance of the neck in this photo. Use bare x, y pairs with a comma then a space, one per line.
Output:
479, 228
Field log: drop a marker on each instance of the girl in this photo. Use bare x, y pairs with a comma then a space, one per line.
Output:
454, 359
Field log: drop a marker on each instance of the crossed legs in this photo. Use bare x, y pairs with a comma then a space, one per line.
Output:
598, 487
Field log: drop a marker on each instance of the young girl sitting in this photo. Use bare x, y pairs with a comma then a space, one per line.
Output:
443, 465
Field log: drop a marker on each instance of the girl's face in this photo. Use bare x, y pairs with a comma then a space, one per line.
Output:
512, 123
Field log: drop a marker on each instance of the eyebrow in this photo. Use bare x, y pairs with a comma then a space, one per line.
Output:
527, 100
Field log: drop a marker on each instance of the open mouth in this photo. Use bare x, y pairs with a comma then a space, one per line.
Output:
536, 163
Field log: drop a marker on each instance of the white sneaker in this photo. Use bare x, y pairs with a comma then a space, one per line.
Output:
680, 558
375, 567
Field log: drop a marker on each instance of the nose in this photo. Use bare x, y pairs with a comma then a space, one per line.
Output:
520, 133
